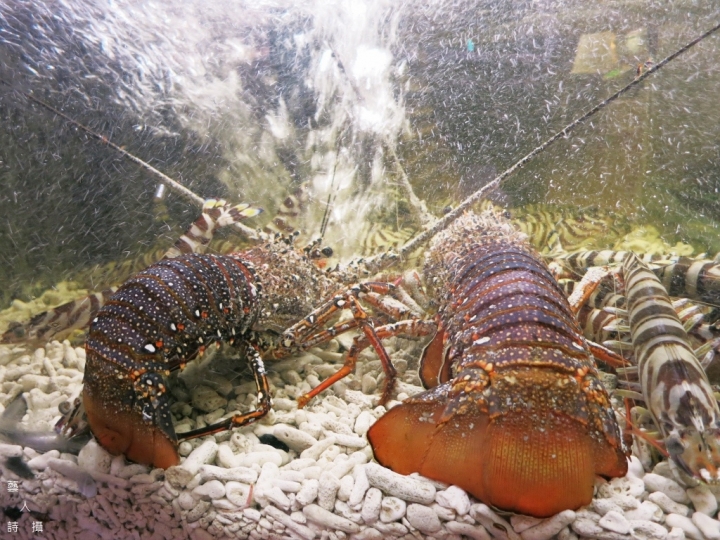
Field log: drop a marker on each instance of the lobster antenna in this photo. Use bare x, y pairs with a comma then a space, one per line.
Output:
328, 204
483, 192
165, 179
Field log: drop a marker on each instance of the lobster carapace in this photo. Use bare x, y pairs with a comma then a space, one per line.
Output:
516, 414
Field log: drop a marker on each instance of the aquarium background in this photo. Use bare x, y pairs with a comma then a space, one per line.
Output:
351, 100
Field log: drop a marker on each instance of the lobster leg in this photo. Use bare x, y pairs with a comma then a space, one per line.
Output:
239, 420
372, 336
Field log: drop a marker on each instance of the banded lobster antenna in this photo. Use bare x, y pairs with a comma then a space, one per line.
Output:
165, 180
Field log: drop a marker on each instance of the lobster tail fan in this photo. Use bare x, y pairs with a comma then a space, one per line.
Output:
121, 431
510, 461
412, 437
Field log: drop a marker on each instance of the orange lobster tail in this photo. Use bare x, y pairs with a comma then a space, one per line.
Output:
510, 462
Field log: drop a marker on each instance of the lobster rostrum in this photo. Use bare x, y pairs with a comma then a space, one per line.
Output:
515, 413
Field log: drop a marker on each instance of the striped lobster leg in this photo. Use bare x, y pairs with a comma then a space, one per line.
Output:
61, 321
697, 279
674, 384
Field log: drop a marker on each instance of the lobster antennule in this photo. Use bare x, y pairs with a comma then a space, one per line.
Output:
121, 432
509, 461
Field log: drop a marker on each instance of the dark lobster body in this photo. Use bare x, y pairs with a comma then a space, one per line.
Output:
153, 324
517, 415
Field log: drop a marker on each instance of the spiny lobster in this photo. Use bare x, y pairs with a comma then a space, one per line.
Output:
516, 414
167, 314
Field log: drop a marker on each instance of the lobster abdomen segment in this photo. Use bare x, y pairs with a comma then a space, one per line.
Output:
156, 322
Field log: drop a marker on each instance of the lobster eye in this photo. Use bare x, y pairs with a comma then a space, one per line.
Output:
674, 445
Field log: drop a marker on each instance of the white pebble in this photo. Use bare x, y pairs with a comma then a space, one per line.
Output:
360, 486
10, 450
275, 496
676, 533
370, 511
236, 474
626, 502
126, 471
287, 486
709, 527
648, 530
655, 482
703, 500
686, 524
635, 468
261, 458
455, 498
549, 527
369, 533
298, 528
648, 511
252, 514
587, 527
41, 462
404, 487
667, 504
238, 493
180, 475
186, 500
364, 422
392, 509
616, 522
85, 482
350, 441
93, 457
295, 439
308, 492
109, 510
476, 532
318, 448
346, 486
522, 523
391, 530
603, 506
445, 514
327, 491
424, 519
494, 524
319, 515
214, 489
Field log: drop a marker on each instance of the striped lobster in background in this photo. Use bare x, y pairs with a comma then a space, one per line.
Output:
674, 384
